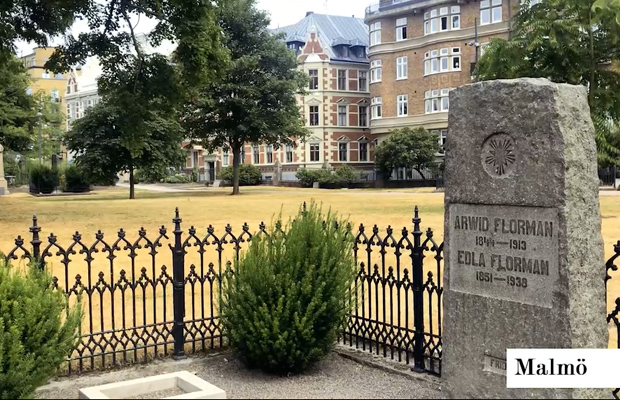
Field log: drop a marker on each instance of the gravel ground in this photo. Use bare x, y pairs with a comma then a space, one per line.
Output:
335, 377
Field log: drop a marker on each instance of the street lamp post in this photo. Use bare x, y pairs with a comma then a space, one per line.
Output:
40, 114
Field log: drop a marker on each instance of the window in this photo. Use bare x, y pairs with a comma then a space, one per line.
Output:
55, 95
243, 155
58, 76
256, 154
342, 115
314, 115
289, 153
442, 139
70, 85
490, 11
314, 79
362, 81
437, 101
343, 151
376, 72
401, 105
401, 29
363, 151
401, 68
377, 107
225, 159
375, 33
441, 136
443, 60
269, 154
45, 75
315, 154
342, 79
442, 19
194, 159
29, 91
363, 116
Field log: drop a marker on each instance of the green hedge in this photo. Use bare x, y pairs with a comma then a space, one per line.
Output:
290, 294
343, 176
38, 330
74, 180
43, 179
249, 175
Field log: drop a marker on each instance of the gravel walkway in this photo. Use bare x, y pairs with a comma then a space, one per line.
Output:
334, 378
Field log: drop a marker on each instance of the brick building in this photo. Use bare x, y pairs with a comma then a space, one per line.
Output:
333, 51
420, 50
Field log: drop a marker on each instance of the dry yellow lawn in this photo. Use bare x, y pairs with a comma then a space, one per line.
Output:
110, 210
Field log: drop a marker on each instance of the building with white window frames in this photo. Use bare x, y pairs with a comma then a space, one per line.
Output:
419, 51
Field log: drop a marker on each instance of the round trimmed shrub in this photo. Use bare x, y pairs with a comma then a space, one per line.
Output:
38, 330
289, 296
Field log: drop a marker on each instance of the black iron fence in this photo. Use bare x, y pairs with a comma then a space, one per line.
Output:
613, 318
143, 300
607, 176
137, 308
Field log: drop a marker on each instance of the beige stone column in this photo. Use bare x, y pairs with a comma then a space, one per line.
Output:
4, 187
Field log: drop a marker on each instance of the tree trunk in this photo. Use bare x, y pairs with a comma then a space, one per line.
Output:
236, 164
132, 189
420, 172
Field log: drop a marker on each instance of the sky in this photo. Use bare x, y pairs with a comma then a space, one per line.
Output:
283, 12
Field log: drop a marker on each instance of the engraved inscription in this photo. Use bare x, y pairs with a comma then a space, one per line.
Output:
504, 252
498, 155
494, 364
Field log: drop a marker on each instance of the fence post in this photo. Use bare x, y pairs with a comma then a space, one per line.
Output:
418, 295
178, 299
36, 242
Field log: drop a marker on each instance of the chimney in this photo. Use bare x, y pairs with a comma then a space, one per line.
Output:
309, 13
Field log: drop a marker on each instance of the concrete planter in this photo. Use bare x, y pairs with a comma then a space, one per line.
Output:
192, 387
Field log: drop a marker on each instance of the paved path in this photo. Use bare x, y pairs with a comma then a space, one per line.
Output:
154, 188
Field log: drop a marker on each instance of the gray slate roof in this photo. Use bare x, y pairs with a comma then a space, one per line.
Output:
332, 30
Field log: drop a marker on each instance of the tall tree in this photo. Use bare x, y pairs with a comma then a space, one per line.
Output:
566, 41
253, 100
19, 119
410, 148
136, 124
16, 106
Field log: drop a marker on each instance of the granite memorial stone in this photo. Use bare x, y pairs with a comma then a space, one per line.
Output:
524, 253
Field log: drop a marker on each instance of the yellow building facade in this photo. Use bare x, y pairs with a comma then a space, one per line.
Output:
50, 84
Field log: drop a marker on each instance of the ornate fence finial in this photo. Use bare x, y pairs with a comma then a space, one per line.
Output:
35, 229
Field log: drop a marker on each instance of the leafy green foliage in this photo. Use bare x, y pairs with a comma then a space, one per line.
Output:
249, 175
38, 330
290, 293
178, 178
16, 107
342, 176
74, 179
135, 126
406, 147
253, 100
150, 175
36, 21
566, 41
347, 174
43, 178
